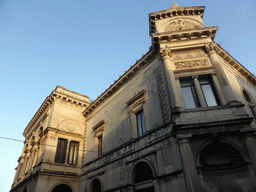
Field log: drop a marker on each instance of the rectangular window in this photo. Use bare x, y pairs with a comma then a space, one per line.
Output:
189, 93
206, 89
140, 123
208, 92
99, 146
61, 151
73, 153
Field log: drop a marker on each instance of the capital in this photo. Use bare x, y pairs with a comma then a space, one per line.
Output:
166, 54
210, 48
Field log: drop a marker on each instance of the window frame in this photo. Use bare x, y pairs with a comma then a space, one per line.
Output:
199, 94
137, 105
57, 154
140, 122
74, 156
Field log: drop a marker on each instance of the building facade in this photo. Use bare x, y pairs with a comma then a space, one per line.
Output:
182, 118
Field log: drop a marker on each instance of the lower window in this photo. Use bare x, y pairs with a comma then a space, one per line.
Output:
140, 123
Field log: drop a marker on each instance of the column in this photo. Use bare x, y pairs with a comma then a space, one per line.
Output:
199, 92
31, 160
24, 167
251, 147
21, 161
218, 88
224, 82
170, 78
189, 167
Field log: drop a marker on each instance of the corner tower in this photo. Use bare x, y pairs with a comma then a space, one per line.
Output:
171, 27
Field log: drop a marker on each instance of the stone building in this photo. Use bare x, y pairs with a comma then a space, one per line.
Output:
182, 118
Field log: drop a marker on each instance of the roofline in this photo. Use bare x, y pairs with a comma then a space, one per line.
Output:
122, 80
234, 63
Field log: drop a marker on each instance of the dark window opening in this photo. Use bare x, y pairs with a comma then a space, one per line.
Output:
61, 151
96, 186
99, 146
140, 123
62, 188
73, 153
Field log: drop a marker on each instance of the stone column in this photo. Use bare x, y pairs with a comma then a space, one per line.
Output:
31, 160
218, 88
24, 167
169, 67
21, 161
189, 167
251, 147
199, 92
224, 82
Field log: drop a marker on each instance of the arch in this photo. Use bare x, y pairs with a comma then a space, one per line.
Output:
223, 166
130, 177
62, 188
219, 155
202, 146
95, 185
250, 101
142, 175
247, 96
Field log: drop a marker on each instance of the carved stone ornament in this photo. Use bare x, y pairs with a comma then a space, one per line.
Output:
182, 24
209, 47
166, 52
190, 64
188, 54
70, 126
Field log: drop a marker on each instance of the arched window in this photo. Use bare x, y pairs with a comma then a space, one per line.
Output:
143, 178
250, 102
62, 188
96, 186
222, 166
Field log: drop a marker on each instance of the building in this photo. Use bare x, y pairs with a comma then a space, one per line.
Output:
182, 118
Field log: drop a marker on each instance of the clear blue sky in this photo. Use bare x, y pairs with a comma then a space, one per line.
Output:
84, 45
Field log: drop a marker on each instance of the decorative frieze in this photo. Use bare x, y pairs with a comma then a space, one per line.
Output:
191, 63
188, 54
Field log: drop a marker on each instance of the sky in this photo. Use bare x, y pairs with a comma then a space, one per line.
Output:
84, 46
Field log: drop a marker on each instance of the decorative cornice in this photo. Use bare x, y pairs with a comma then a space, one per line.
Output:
234, 63
183, 35
174, 11
99, 127
123, 79
60, 94
137, 99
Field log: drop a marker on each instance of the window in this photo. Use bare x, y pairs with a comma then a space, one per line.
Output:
138, 113
142, 178
98, 134
198, 92
208, 92
100, 146
61, 151
189, 93
73, 153
140, 123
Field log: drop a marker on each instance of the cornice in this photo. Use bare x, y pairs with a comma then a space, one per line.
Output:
174, 11
235, 64
123, 79
57, 94
185, 35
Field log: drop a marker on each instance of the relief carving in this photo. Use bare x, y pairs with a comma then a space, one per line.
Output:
188, 54
70, 126
182, 24
190, 64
